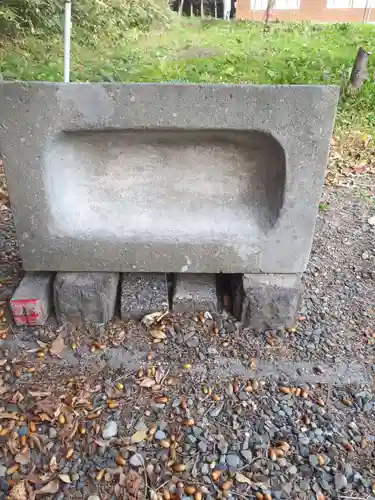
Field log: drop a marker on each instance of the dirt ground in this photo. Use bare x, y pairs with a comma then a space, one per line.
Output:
195, 406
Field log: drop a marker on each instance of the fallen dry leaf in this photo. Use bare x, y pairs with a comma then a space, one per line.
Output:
152, 318
37, 442
101, 442
157, 334
44, 417
147, 382
43, 345
132, 484
240, 478
39, 394
159, 375
19, 491
23, 458
139, 436
50, 488
53, 464
4, 198
9, 416
57, 346
119, 338
65, 478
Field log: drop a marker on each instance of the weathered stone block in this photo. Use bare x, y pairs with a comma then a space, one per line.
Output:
85, 297
32, 301
270, 300
195, 292
165, 177
143, 293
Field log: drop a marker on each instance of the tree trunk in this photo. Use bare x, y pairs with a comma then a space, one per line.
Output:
181, 7
202, 9
215, 7
359, 71
267, 15
191, 8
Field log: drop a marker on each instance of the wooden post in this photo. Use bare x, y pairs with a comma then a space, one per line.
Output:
267, 15
359, 71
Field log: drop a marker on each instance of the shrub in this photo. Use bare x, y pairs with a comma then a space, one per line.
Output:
91, 16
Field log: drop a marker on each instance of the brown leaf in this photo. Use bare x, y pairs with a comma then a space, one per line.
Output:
139, 436
119, 338
152, 318
57, 346
53, 464
157, 334
37, 442
240, 478
65, 478
50, 488
30, 491
4, 198
101, 442
9, 416
147, 382
19, 491
33, 478
39, 394
23, 458
43, 345
159, 375
133, 483
44, 417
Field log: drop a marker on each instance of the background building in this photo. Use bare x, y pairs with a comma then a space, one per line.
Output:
309, 10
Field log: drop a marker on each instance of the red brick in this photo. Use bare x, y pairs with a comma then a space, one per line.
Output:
31, 302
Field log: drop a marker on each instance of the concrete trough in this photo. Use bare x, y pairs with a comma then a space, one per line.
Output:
166, 178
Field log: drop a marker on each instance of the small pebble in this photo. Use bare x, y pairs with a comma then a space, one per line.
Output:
340, 482
52, 433
137, 460
233, 460
159, 435
110, 430
202, 445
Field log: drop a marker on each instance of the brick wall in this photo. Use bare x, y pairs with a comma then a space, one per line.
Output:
310, 10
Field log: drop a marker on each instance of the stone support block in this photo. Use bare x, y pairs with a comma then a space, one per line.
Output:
85, 297
143, 293
195, 292
270, 300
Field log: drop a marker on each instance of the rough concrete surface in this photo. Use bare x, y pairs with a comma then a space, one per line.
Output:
143, 293
85, 297
195, 292
270, 300
226, 178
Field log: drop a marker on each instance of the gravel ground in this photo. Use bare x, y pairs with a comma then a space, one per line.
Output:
229, 413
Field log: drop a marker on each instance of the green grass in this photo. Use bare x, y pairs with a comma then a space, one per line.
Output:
191, 50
